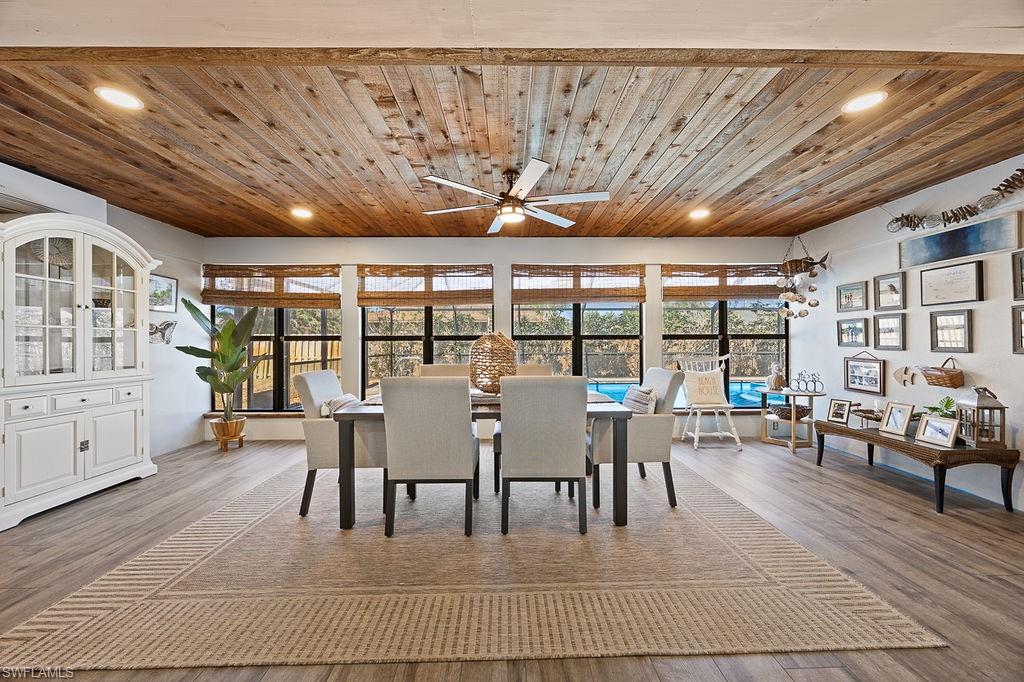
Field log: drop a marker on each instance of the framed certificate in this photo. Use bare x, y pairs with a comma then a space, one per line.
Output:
961, 283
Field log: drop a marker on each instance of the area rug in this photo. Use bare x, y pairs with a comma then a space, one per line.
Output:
255, 584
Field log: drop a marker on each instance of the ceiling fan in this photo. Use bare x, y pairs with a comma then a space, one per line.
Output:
514, 204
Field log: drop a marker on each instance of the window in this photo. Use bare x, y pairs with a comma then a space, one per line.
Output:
398, 339
296, 340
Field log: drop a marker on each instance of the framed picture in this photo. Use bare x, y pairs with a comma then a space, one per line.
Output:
960, 283
896, 418
891, 331
853, 333
890, 291
852, 297
997, 234
1017, 317
1018, 275
839, 411
937, 430
951, 331
163, 294
864, 375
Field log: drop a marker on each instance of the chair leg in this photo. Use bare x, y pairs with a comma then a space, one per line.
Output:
686, 424
732, 427
410, 490
595, 485
670, 486
643, 472
590, 467
307, 492
384, 497
572, 489
504, 505
472, 488
497, 472
583, 506
718, 424
558, 486
476, 481
389, 509
696, 430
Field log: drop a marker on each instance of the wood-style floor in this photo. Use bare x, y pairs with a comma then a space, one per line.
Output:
960, 574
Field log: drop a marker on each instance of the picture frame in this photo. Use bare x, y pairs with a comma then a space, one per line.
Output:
890, 331
864, 374
958, 283
896, 418
1017, 324
839, 411
1017, 261
950, 331
986, 236
852, 297
163, 293
937, 430
891, 291
852, 333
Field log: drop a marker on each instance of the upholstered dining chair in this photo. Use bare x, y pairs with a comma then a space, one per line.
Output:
544, 422
649, 435
443, 370
428, 424
521, 371
704, 391
321, 433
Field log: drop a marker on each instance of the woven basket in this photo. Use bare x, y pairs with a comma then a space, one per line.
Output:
947, 377
785, 412
491, 357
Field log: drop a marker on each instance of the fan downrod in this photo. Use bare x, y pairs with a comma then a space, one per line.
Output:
510, 177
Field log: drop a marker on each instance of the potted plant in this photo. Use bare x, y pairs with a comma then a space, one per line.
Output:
946, 407
227, 369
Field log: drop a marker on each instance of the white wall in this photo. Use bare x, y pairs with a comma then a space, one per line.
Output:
861, 248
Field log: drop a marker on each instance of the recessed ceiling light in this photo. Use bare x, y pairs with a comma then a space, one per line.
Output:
699, 213
865, 101
119, 98
302, 212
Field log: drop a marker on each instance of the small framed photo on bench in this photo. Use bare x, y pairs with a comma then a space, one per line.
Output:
937, 430
896, 418
839, 411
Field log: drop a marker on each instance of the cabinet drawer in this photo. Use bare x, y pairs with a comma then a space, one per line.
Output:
81, 400
127, 394
20, 408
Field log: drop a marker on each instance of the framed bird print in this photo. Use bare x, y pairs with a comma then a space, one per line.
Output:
163, 294
890, 291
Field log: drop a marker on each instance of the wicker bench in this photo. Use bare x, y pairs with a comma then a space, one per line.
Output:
937, 457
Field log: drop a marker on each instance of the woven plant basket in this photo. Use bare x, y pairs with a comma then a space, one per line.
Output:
947, 377
785, 412
491, 357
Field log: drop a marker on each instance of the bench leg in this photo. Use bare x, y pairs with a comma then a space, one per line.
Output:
821, 447
940, 486
871, 454
1007, 481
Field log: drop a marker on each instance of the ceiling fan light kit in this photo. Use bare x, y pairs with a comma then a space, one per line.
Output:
515, 204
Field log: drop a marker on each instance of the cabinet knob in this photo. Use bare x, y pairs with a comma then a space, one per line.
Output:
26, 407
85, 400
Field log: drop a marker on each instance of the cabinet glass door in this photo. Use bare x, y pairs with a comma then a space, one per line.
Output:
44, 308
113, 311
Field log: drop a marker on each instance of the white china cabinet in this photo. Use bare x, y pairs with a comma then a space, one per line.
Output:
75, 354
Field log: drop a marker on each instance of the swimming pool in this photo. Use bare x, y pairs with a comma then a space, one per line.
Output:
741, 393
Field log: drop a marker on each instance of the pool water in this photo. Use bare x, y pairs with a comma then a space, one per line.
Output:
741, 393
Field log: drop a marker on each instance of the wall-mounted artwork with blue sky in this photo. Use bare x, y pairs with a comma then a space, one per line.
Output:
997, 234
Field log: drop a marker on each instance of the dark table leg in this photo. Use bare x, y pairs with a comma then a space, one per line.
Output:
940, 486
821, 447
347, 467
871, 454
619, 457
1007, 481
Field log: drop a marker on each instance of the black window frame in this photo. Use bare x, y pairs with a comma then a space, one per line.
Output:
577, 337
427, 338
279, 346
724, 337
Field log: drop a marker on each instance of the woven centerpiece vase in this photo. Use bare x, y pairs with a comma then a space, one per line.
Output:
492, 357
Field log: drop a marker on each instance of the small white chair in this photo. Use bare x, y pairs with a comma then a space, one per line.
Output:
521, 371
429, 438
717, 407
544, 424
321, 433
649, 435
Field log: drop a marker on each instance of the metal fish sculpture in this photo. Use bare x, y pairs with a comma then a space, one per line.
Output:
798, 266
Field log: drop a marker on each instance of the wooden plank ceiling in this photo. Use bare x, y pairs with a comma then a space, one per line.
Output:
228, 150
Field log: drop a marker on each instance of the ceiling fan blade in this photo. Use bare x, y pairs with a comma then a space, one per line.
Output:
459, 185
578, 197
528, 178
549, 217
457, 210
495, 227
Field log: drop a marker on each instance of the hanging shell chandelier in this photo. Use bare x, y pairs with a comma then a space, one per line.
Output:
795, 281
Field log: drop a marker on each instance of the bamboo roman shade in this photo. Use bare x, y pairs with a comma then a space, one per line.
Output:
577, 283
719, 282
273, 286
423, 285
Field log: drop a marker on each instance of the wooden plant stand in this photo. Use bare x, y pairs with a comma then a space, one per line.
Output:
937, 457
222, 443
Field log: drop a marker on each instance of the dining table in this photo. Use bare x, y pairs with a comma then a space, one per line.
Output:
348, 416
